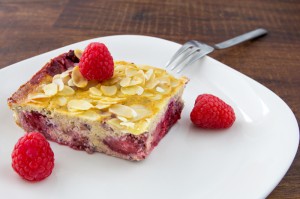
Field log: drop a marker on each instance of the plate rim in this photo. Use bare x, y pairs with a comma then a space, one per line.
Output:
165, 40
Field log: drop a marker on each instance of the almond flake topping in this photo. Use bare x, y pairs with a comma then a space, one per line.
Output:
132, 90
61, 101
67, 91
142, 112
159, 89
152, 83
95, 91
59, 82
129, 72
148, 74
70, 82
109, 90
78, 79
77, 105
123, 119
102, 106
125, 82
50, 89
37, 96
123, 111
78, 53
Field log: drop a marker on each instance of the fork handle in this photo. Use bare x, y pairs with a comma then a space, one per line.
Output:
239, 39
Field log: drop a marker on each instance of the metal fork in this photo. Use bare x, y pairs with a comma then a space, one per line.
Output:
193, 50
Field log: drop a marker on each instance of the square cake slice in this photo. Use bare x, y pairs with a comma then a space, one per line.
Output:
125, 116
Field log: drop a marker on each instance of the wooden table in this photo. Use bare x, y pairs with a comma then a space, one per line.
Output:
31, 27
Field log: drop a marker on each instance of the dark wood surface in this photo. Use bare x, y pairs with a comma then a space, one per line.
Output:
31, 27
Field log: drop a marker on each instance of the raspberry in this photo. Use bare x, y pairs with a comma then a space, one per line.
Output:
32, 157
96, 62
211, 112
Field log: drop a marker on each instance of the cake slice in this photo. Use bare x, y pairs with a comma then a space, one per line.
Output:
125, 116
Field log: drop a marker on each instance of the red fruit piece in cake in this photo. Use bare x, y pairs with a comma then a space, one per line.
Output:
96, 62
211, 112
127, 144
32, 157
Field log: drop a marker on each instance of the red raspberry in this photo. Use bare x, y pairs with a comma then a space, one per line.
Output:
32, 157
211, 112
96, 63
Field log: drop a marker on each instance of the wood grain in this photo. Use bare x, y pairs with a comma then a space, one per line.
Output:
32, 27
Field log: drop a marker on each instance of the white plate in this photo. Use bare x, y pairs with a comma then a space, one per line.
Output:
246, 161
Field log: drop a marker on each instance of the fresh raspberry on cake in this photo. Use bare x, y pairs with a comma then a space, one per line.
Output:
96, 62
212, 112
32, 157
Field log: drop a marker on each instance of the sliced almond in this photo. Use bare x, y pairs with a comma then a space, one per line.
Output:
67, 91
79, 105
78, 79
142, 112
37, 96
95, 91
66, 73
123, 119
120, 66
78, 53
165, 80
109, 90
159, 89
50, 89
137, 80
114, 80
125, 82
39, 101
115, 122
129, 72
122, 110
61, 101
101, 106
160, 71
57, 76
140, 90
59, 82
148, 74
152, 83
132, 90
163, 89
70, 82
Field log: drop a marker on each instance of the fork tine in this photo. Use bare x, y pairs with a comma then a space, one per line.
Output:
182, 49
193, 59
187, 55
